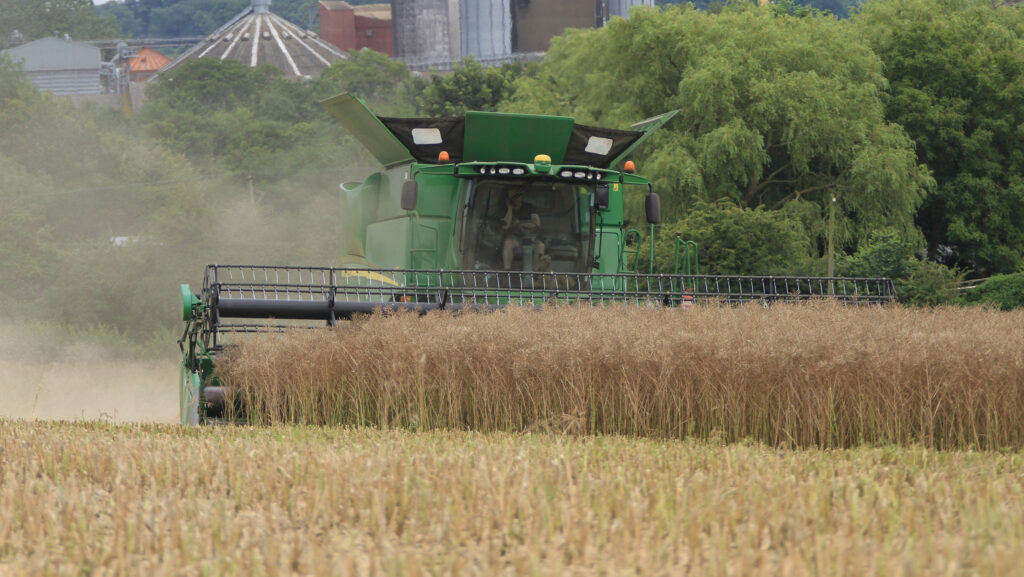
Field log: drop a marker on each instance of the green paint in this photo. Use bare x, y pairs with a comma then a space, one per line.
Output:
368, 129
495, 136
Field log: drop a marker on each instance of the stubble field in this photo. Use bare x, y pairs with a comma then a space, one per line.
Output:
101, 499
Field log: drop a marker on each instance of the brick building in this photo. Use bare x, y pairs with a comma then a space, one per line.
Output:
353, 28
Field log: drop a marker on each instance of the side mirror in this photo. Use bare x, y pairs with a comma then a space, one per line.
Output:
410, 194
601, 196
653, 206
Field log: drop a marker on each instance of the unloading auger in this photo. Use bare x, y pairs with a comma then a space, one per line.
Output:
474, 213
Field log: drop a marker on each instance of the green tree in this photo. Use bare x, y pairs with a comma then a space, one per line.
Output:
957, 70
735, 240
470, 86
34, 19
14, 85
382, 82
1005, 291
918, 282
773, 109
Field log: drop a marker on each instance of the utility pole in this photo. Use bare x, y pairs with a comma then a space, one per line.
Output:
831, 236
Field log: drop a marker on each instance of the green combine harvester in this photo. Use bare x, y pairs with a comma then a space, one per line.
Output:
474, 213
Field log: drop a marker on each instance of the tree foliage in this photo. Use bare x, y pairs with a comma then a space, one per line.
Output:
888, 254
245, 122
1004, 291
34, 19
735, 240
470, 86
773, 109
72, 180
375, 78
957, 73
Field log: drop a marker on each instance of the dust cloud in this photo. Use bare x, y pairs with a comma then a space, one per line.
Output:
115, 391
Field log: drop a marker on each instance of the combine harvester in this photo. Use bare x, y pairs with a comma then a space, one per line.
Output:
474, 213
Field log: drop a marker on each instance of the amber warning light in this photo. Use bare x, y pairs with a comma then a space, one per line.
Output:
443, 156
629, 166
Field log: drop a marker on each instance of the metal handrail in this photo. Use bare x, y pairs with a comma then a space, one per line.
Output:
272, 294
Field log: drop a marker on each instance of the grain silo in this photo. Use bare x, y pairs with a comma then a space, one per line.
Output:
486, 29
621, 7
537, 21
426, 31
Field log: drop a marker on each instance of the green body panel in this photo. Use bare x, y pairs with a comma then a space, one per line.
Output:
368, 129
648, 127
493, 137
388, 241
379, 234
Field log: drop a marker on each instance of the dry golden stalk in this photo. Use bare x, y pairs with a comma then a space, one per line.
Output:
818, 375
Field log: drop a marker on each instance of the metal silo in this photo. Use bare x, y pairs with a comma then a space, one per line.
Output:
426, 30
486, 29
621, 7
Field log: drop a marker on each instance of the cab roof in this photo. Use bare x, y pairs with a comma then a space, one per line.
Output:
488, 136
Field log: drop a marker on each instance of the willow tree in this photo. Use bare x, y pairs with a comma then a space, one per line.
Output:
957, 74
774, 110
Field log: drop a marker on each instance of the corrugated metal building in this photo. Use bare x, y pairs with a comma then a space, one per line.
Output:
60, 66
487, 29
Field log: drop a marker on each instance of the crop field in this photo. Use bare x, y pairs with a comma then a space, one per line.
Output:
810, 440
819, 375
101, 499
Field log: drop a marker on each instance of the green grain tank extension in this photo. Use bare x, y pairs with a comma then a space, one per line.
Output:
473, 213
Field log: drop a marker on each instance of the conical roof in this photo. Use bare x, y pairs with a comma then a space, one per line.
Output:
147, 60
257, 36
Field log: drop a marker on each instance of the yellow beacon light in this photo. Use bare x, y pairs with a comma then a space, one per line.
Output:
542, 163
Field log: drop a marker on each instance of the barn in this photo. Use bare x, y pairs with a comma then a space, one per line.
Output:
60, 66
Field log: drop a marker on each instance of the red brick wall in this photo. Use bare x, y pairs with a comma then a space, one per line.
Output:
339, 28
374, 34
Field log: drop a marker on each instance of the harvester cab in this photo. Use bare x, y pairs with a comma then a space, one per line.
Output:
489, 192
476, 212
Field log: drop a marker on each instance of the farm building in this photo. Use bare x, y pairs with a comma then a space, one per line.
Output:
257, 36
356, 27
60, 66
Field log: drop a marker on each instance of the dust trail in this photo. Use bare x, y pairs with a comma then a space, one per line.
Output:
139, 391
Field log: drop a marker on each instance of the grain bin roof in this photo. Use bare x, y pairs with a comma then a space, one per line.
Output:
148, 60
257, 36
